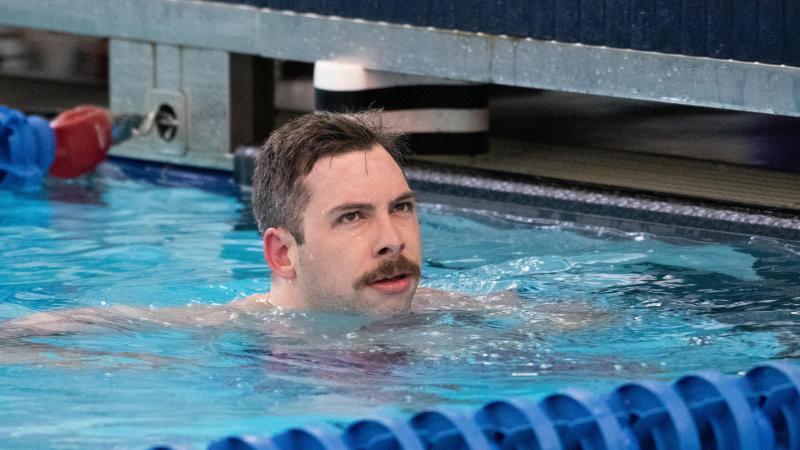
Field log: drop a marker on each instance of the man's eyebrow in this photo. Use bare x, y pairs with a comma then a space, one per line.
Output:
351, 207
369, 207
404, 198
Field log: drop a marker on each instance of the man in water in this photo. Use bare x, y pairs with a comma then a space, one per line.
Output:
339, 224
339, 221
340, 233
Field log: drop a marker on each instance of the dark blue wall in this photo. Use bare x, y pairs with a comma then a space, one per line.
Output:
767, 31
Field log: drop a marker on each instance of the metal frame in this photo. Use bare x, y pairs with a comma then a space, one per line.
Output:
196, 83
423, 51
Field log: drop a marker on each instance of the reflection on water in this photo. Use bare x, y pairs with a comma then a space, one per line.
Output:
552, 306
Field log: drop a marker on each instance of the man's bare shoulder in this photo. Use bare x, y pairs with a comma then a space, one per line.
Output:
427, 299
562, 315
252, 304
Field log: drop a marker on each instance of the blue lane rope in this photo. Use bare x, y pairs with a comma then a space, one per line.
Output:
757, 411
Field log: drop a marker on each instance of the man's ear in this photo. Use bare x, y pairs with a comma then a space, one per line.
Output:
277, 243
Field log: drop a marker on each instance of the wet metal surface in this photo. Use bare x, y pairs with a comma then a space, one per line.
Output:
425, 51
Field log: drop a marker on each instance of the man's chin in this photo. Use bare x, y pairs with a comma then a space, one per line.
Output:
394, 298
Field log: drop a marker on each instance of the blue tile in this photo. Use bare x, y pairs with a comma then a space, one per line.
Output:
518, 17
693, 28
392, 11
744, 41
792, 41
493, 16
567, 26
306, 6
592, 22
770, 31
327, 6
443, 14
374, 10
422, 15
618, 23
542, 25
666, 34
642, 24
276, 4
720, 28
468, 15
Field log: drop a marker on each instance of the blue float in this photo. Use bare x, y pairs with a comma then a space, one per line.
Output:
448, 429
773, 391
517, 423
382, 434
757, 411
242, 443
584, 421
27, 150
654, 416
310, 438
720, 410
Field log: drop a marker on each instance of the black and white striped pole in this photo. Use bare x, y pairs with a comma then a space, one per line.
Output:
439, 116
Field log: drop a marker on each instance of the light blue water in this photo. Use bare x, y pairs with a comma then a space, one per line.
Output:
591, 307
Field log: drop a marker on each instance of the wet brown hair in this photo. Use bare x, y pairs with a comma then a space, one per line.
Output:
279, 192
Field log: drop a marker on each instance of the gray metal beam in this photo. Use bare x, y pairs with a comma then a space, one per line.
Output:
423, 51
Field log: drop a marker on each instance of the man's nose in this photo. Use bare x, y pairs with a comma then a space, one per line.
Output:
390, 238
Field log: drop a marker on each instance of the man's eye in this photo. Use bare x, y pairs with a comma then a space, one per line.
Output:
404, 207
349, 217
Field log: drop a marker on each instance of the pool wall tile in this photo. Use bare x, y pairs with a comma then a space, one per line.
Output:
770, 31
792, 41
642, 24
667, 25
744, 39
518, 16
693, 28
542, 19
443, 14
617, 23
592, 22
567, 21
468, 15
720, 28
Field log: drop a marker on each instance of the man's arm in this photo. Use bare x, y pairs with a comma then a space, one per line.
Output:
17, 345
23, 352
93, 320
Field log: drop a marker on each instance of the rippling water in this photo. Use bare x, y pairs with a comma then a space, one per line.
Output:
557, 305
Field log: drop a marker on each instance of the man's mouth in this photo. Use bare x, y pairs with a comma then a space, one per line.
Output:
395, 284
390, 277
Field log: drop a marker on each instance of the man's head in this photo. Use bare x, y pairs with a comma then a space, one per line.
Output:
339, 220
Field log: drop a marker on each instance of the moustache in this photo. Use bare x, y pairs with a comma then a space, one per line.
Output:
387, 269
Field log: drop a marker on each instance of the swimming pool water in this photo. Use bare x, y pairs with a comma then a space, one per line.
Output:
557, 305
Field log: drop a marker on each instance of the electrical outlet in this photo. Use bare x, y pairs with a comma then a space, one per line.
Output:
171, 126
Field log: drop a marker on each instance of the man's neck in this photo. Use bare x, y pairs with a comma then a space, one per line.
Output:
285, 294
